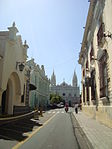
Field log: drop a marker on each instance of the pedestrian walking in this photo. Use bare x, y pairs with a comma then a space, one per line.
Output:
66, 107
76, 108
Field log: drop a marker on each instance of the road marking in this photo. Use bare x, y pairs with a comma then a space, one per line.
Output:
30, 135
49, 112
56, 112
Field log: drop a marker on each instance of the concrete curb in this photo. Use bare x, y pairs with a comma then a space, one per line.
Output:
82, 139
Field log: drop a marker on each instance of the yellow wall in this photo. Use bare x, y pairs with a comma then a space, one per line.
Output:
103, 115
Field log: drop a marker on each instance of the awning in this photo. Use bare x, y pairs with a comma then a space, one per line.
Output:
32, 87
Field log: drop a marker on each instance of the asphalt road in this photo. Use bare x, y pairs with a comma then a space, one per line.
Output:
56, 133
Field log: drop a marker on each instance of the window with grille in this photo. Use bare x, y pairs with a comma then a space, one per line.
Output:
87, 64
103, 77
93, 85
100, 35
83, 73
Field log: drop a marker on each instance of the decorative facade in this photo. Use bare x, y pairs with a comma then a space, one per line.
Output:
69, 93
96, 61
40, 96
13, 55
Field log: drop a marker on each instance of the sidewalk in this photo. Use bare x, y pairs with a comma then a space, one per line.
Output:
98, 134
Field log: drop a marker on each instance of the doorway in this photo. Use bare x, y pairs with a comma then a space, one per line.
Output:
5, 101
3, 104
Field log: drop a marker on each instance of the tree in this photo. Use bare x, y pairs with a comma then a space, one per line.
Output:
55, 99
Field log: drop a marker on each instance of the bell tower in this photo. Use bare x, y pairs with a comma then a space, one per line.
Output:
74, 80
53, 79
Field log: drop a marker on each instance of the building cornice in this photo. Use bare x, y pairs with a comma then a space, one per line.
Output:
88, 24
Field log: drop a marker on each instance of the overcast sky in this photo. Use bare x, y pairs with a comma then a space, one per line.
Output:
53, 30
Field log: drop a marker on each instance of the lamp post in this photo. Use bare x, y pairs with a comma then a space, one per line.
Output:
87, 72
1, 57
20, 65
87, 78
108, 34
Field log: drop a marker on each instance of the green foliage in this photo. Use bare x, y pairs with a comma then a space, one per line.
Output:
51, 95
54, 98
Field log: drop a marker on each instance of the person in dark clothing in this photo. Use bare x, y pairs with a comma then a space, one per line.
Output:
76, 108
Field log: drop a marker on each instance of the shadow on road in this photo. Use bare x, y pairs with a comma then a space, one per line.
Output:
18, 130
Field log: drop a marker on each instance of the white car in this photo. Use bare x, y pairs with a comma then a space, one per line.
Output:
60, 105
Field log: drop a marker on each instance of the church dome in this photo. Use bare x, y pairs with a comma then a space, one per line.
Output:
63, 84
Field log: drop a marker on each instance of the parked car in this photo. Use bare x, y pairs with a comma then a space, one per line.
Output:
60, 105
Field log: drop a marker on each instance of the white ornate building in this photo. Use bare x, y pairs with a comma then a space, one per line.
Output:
96, 61
13, 55
70, 93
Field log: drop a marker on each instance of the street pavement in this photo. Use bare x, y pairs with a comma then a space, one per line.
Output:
57, 130
56, 133
98, 134
13, 133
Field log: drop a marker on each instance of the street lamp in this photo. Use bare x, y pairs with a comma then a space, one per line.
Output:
1, 57
87, 72
21, 66
83, 81
92, 62
87, 78
108, 34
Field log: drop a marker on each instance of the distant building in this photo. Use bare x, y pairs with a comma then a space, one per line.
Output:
69, 93
40, 96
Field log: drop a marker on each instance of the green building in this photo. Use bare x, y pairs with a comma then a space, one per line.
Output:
40, 96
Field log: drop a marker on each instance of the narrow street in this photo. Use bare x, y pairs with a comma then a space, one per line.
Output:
56, 134
53, 130
56, 74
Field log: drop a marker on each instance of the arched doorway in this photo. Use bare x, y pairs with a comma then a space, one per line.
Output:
3, 104
7, 99
10, 96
